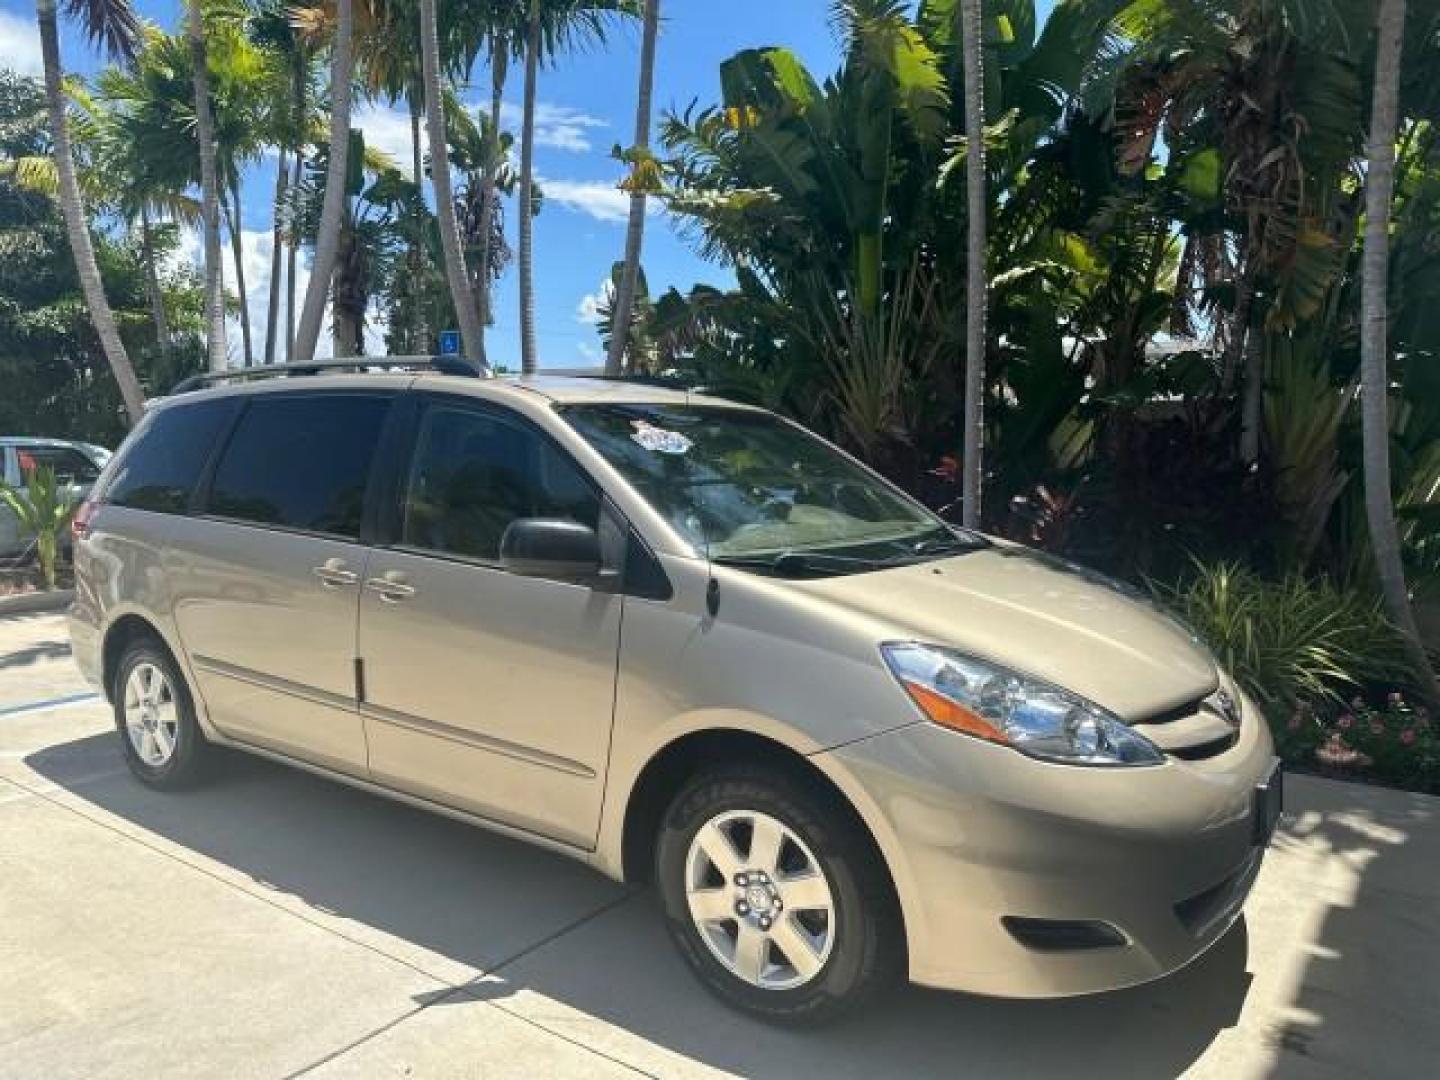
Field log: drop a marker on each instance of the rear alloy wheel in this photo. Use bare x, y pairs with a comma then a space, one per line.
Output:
155, 716
776, 903
152, 719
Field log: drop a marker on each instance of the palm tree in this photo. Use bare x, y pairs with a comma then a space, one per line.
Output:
528, 360
118, 176
975, 270
501, 45
642, 168
272, 30
327, 240
550, 25
113, 24
390, 69
472, 337
1374, 380
215, 346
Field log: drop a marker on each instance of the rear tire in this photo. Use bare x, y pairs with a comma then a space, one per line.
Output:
155, 716
801, 926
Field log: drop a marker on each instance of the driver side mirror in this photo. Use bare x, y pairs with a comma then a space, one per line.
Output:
551, 548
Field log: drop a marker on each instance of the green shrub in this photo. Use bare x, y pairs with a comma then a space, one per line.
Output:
44, 507
1293, 644
1396, 743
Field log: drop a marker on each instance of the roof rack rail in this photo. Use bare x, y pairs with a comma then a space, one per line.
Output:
444, 365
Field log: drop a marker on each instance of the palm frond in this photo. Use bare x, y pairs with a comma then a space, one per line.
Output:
111, 24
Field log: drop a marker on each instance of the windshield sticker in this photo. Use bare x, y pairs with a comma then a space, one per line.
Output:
659, 439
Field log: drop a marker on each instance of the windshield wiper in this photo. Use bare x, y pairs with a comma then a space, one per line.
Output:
948, 543
801, 563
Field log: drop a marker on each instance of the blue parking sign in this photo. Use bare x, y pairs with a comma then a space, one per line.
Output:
449, 342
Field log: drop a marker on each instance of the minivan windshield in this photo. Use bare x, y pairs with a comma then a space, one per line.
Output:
750, 489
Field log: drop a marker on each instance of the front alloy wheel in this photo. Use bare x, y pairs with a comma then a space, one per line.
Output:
775, 895
767, 914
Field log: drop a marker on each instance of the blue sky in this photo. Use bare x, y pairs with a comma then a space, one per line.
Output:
586, 105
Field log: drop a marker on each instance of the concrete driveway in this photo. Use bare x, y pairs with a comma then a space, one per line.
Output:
275, 925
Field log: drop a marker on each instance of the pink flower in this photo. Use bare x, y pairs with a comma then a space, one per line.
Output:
1396, 698
1336, 752
1346, 722
1408, 736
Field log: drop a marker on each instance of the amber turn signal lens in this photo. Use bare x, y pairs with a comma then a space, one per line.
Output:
947, 713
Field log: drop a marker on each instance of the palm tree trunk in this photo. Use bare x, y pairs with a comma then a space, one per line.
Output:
76, 227
976, 284
215, 346
528, 362
152, 281
292, 253
1374, 379
419, 337
237, 252
470, 333
635, 228
1252, 395
299, 74
277, 255
327, 240
499, 66
346, 324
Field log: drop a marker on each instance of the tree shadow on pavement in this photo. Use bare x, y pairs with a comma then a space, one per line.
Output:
1366, 995
565, 947
32, 654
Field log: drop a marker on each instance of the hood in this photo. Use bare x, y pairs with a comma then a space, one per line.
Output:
1040, 616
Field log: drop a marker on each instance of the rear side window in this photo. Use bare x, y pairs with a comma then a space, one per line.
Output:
474, 473
70, 465
300, 462
160, 471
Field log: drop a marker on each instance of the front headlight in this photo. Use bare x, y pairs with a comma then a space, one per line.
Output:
991, 702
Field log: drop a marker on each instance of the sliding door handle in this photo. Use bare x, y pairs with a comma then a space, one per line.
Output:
391, 587
332, 574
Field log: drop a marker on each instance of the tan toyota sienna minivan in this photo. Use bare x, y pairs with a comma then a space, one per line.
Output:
689, 643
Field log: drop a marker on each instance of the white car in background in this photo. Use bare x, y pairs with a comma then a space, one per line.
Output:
75, 463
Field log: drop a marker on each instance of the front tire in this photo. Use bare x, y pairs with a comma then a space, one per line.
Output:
774, 898
155, 716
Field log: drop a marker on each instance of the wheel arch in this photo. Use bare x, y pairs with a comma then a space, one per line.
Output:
674, 764
126, 628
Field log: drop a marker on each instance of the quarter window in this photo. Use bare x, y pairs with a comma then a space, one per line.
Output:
475, 472
300, 462
160, 470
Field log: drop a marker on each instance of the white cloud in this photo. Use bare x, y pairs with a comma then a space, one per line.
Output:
19, 44
256, 247
559, 127
588, 310
600, 199
387, 128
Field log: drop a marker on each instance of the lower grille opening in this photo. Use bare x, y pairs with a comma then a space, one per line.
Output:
1062, 935
1200, 913
1205, 749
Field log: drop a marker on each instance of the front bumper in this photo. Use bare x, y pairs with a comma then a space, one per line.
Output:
976, 833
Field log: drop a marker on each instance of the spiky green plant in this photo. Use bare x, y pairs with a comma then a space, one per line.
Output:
1293, 641
44, 507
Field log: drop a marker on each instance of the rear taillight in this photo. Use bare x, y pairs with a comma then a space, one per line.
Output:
80, 523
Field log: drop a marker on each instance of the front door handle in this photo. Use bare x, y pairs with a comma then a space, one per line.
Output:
332, 574
391, 586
